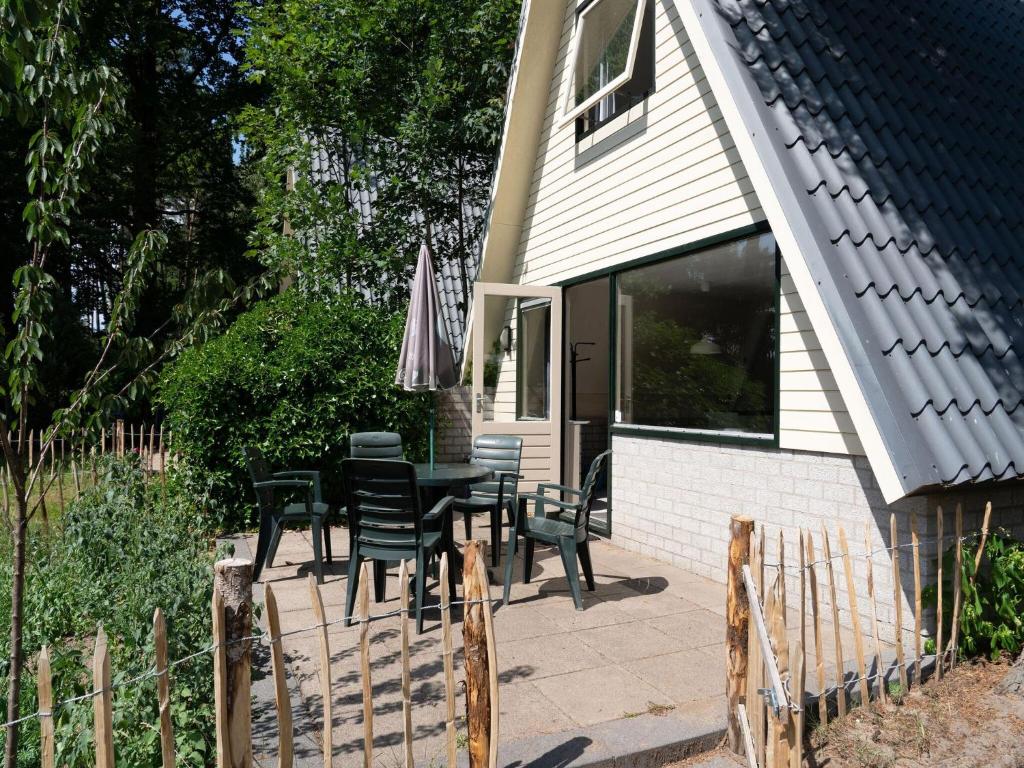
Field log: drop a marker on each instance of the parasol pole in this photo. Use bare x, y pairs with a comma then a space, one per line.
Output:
433, 402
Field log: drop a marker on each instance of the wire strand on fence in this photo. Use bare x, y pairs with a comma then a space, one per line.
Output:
877, 551
881, 673
259, 637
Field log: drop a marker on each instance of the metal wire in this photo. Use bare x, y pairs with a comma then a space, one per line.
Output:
259, 637
872, 552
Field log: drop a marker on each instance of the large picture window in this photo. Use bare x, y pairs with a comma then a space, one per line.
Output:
613, 60
696, 342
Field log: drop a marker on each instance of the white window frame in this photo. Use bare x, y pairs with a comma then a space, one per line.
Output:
571, 111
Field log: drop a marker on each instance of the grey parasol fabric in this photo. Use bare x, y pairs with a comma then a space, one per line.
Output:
426, 361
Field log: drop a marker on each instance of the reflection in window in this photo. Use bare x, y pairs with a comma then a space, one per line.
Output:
696, 346
533, 350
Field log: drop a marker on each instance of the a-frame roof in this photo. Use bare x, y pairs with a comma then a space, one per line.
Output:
883, 140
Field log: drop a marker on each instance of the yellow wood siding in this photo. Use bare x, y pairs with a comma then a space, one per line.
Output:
812, 416
662, 177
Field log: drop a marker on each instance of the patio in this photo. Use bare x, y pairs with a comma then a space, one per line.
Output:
641, 668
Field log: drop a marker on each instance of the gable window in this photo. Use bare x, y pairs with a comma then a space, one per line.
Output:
696, 341
612, 61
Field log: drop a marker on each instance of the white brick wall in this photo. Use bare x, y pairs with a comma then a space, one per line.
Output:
454, 436
672, 500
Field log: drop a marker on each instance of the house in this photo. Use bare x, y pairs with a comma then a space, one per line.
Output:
769, 252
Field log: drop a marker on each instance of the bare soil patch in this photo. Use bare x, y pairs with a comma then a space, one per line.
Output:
958, 722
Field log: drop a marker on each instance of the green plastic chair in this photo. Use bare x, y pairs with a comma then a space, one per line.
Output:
501, 454
276, 515
388, 524
376, 445
565, 524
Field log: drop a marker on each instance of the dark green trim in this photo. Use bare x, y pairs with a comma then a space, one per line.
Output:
686, 436
759, 228
682, 435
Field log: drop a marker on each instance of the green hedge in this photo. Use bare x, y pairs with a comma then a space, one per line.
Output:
122, 549
294, 376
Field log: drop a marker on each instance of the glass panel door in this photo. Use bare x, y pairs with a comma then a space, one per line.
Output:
517, 333
587, 384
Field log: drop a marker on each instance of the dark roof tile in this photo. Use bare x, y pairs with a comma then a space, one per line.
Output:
903, 121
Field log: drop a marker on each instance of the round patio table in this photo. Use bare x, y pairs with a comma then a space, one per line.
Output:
435, 483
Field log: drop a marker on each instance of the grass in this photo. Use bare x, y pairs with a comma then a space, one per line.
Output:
59, 492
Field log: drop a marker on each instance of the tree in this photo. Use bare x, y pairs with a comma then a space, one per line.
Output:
64, 104
385, 116
168, 162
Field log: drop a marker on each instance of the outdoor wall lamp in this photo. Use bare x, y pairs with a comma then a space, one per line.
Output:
506, 339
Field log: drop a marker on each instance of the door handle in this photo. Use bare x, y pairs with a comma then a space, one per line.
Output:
479, 402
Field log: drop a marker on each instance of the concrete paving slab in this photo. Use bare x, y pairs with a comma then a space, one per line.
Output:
683, 676
541, 657
605, 693
693, 629
626, 642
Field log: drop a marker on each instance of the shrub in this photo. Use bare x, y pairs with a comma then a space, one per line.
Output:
124, 548
992, 612
294, 376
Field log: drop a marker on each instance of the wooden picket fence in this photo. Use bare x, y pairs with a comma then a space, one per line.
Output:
233, 637
767, 673
70, 464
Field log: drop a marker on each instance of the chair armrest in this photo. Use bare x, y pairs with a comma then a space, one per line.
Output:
311, 475
541, 487
283, 484
439, 508
504, 475
541, 501
296, 484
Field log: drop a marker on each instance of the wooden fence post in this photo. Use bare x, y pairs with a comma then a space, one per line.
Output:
220, 678
897, 592
282, 701
981, 545
363, 608
102, 703
317, 601
954, 630
798, 682
915, 543
737, 626
478, 672
819, 653
403, 578
45, 688
873, 604
163, 690
233, 583
449, 666
858, 635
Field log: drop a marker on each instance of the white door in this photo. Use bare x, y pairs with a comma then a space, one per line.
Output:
517, 372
